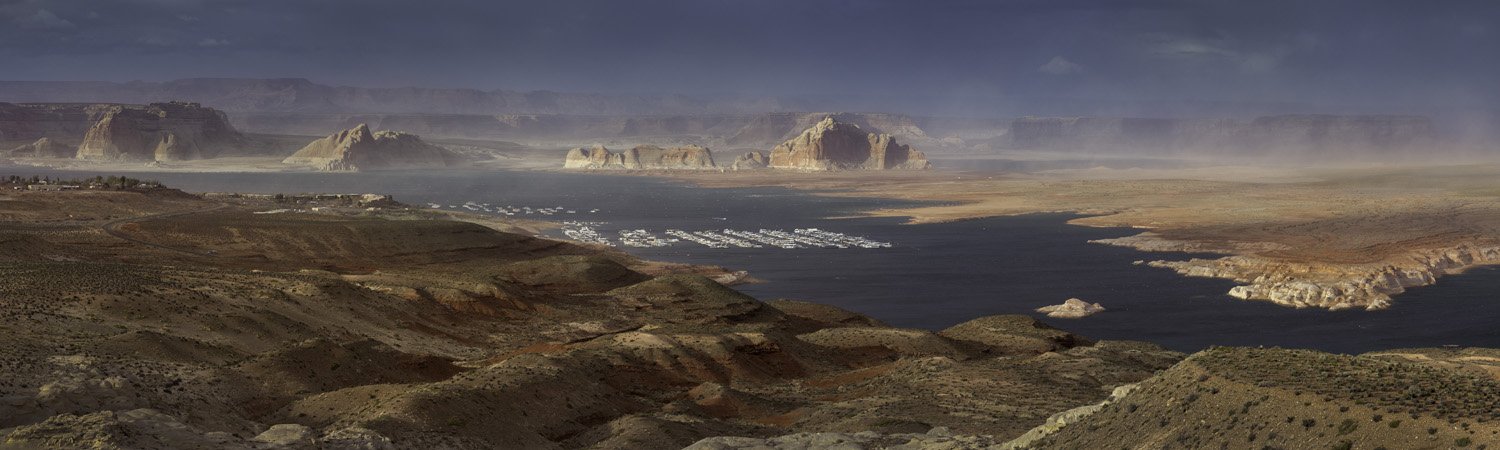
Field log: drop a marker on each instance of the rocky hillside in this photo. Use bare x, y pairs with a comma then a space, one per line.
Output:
359, 149
831, 145
113, 132
645, 157
1274, 398
138, 320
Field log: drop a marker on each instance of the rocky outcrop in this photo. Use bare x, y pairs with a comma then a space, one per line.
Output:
1071, 309
834, 145
158, 132
644, 157
43, 148
751, 161
359, 149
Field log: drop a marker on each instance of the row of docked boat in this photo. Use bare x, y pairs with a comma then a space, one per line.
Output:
586, 232
509, 210
644, 239
726, 238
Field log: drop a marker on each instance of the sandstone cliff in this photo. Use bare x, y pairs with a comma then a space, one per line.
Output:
832, 145
644, 157
359, 149
158, 132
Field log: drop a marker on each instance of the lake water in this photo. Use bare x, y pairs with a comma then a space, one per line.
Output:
937, 275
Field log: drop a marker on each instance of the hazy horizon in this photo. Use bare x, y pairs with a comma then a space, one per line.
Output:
1139, 57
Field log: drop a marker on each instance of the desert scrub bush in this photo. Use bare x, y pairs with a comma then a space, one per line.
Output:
1347, 426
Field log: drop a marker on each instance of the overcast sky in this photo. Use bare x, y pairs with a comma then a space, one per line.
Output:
1341, 52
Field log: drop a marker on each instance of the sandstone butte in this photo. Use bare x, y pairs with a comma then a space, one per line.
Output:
359, 149
833, 145
644, 157
173, 131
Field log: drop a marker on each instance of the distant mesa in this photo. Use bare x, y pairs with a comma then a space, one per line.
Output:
174, 131
834, 145
359, 149
644, 157
827, 145
1071, 309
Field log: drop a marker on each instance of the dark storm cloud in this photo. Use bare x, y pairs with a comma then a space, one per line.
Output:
1345, 52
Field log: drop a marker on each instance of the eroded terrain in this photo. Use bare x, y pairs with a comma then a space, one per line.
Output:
158, 319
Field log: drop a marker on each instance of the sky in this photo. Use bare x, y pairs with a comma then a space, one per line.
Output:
1359, 53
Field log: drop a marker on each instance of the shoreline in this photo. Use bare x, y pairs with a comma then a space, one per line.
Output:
1277, 247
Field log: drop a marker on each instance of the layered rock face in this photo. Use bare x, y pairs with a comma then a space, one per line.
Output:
359, 149
644, 157
159, 132
43, 148
833, 145
1300, 135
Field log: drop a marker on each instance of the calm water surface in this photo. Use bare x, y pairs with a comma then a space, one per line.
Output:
940, 274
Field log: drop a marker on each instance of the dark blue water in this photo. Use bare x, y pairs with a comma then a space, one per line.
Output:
938, 274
